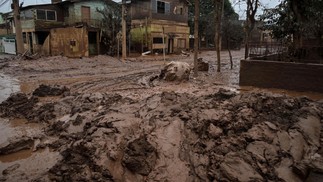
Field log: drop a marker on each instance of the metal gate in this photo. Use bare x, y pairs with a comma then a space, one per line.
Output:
9, 45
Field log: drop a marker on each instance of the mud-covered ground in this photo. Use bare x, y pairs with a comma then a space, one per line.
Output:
100, 119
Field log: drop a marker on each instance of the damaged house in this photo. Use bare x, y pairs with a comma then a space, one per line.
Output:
156, 23
71, 28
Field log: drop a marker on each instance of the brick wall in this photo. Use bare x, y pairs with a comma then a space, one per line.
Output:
291, 76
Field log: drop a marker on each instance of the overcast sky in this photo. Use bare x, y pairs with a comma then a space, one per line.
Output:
240, 8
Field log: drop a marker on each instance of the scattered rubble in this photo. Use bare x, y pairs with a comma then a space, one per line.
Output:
46, 90
140, 156
202, 65
184, 53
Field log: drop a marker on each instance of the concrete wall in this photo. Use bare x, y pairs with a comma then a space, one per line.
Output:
291, 76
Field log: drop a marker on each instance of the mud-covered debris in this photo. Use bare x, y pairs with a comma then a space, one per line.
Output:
224, 94
215, 131
202, 65
79, 164
44, 113
48, 90
140, 156
149, 81
18, 105
175, 71
236, 169
187, 54
310, 128
10, 169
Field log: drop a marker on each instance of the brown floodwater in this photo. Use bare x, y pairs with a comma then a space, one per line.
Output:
15, 129
23, 154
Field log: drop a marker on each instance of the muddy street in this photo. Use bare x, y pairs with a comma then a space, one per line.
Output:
100, 119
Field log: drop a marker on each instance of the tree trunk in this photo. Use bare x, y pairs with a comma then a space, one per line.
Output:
246, 45
252, 6
196, 36
124, 32
230, 55
218, 17
19, 39
298, 35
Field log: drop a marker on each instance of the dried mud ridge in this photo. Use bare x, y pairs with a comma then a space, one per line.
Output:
168, 136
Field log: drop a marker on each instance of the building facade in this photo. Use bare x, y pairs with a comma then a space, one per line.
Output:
71, 27
159, 23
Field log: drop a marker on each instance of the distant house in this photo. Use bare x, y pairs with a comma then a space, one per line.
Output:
4, 24
151, 20
71, 27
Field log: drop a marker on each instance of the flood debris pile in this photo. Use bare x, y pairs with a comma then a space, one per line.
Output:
28, 107
202, 65
18, 105
169, 136
140, 156
254, 137
47, 90
175, 71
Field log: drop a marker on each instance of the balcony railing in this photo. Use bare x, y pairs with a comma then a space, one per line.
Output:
95, 23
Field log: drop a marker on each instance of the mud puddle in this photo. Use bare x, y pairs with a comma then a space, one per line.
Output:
20, 158
15, 128
30, 166
23, 154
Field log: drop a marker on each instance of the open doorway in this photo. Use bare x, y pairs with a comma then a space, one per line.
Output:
93, 43
170, 45
30, 37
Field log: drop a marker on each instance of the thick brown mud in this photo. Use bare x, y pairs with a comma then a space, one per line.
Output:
169, 136
114, 121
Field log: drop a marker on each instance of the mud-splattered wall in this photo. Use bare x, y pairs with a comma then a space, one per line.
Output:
70, 42
291, 76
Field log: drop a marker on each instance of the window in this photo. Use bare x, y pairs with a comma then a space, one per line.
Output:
157, 40
41, 14
46, 15
179, 10
51, 15
162, 7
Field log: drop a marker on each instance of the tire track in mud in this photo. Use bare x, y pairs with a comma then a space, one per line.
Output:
113, 83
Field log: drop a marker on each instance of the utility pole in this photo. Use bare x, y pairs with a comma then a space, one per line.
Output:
124, 33
196, 35
16, 15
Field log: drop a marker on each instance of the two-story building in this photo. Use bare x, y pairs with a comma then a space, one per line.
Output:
70, 28
153, 20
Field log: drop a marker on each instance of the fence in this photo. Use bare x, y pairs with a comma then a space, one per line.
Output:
275, 51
